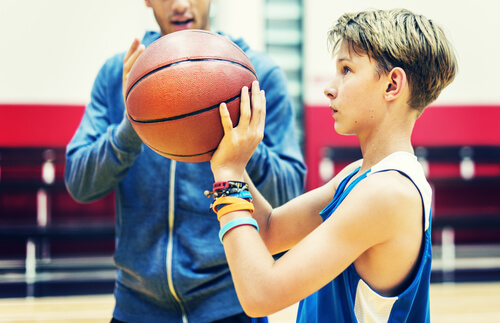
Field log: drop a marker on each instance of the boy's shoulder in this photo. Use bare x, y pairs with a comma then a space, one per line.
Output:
394, 190
396, 183
389, 190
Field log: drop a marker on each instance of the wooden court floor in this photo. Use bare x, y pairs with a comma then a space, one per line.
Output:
450, 303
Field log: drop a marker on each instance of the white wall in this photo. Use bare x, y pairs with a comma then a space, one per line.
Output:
473, 28
51, 50
241, 18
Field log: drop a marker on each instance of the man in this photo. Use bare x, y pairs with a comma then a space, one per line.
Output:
171, 267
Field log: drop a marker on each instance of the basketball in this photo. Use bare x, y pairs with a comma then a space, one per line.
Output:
175, 87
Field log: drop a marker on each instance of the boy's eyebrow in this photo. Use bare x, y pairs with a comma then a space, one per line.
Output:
340, 59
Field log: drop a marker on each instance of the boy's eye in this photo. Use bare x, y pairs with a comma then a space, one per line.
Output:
345, 70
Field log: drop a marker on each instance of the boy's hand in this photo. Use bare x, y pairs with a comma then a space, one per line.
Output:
238, 144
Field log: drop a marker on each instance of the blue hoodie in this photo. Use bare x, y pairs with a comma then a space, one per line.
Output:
171, 266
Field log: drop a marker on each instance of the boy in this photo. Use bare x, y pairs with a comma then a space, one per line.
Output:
359, 247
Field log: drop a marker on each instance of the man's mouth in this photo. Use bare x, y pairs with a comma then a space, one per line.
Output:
182, 22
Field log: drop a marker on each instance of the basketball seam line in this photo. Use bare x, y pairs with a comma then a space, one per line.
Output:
185, 61
177, 155
187, 114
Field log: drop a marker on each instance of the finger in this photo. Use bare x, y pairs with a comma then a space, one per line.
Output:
245, 112
262, 120
127, 64
255, 90
258, 104
132, 49
225, 118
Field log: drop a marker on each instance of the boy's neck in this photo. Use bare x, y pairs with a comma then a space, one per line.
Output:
391, 134
375, 150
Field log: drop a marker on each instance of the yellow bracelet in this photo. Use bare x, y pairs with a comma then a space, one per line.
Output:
235, 207
225, 200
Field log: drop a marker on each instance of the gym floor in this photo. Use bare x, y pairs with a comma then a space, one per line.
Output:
450, 302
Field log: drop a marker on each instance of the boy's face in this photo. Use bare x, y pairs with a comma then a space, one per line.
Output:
176, 15
355, 93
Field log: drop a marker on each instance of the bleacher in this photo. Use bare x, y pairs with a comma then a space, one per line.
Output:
459, 147
50, 244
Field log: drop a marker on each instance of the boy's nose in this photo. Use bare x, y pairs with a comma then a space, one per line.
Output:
330, 92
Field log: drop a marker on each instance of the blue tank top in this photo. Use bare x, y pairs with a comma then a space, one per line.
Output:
348, 298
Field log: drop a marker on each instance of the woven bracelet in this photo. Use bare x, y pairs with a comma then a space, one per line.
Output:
226, 188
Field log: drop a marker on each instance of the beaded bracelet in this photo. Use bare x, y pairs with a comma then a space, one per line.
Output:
236, 223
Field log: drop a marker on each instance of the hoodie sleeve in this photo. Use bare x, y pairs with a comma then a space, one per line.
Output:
104, 146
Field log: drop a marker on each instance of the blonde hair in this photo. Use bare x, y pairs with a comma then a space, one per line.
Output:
400, 38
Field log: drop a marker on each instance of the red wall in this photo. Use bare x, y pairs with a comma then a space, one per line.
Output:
38, 125
438, 126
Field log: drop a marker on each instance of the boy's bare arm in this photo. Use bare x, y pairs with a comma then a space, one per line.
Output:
283, 227
368, 217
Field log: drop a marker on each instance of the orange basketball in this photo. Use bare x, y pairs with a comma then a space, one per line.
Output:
175, 88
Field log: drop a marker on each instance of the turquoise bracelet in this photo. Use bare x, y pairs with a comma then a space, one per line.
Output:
236, 223
242, 195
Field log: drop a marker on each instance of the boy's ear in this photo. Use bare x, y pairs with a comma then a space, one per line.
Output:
397, 82
147, 3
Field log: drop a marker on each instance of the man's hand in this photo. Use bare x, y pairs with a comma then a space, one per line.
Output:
125, 135
135, 50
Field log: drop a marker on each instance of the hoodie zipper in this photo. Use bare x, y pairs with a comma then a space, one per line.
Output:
171, 216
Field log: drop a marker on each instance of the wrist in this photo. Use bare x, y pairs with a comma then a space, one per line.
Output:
235, 223
234, 215
224, 175
125, 136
